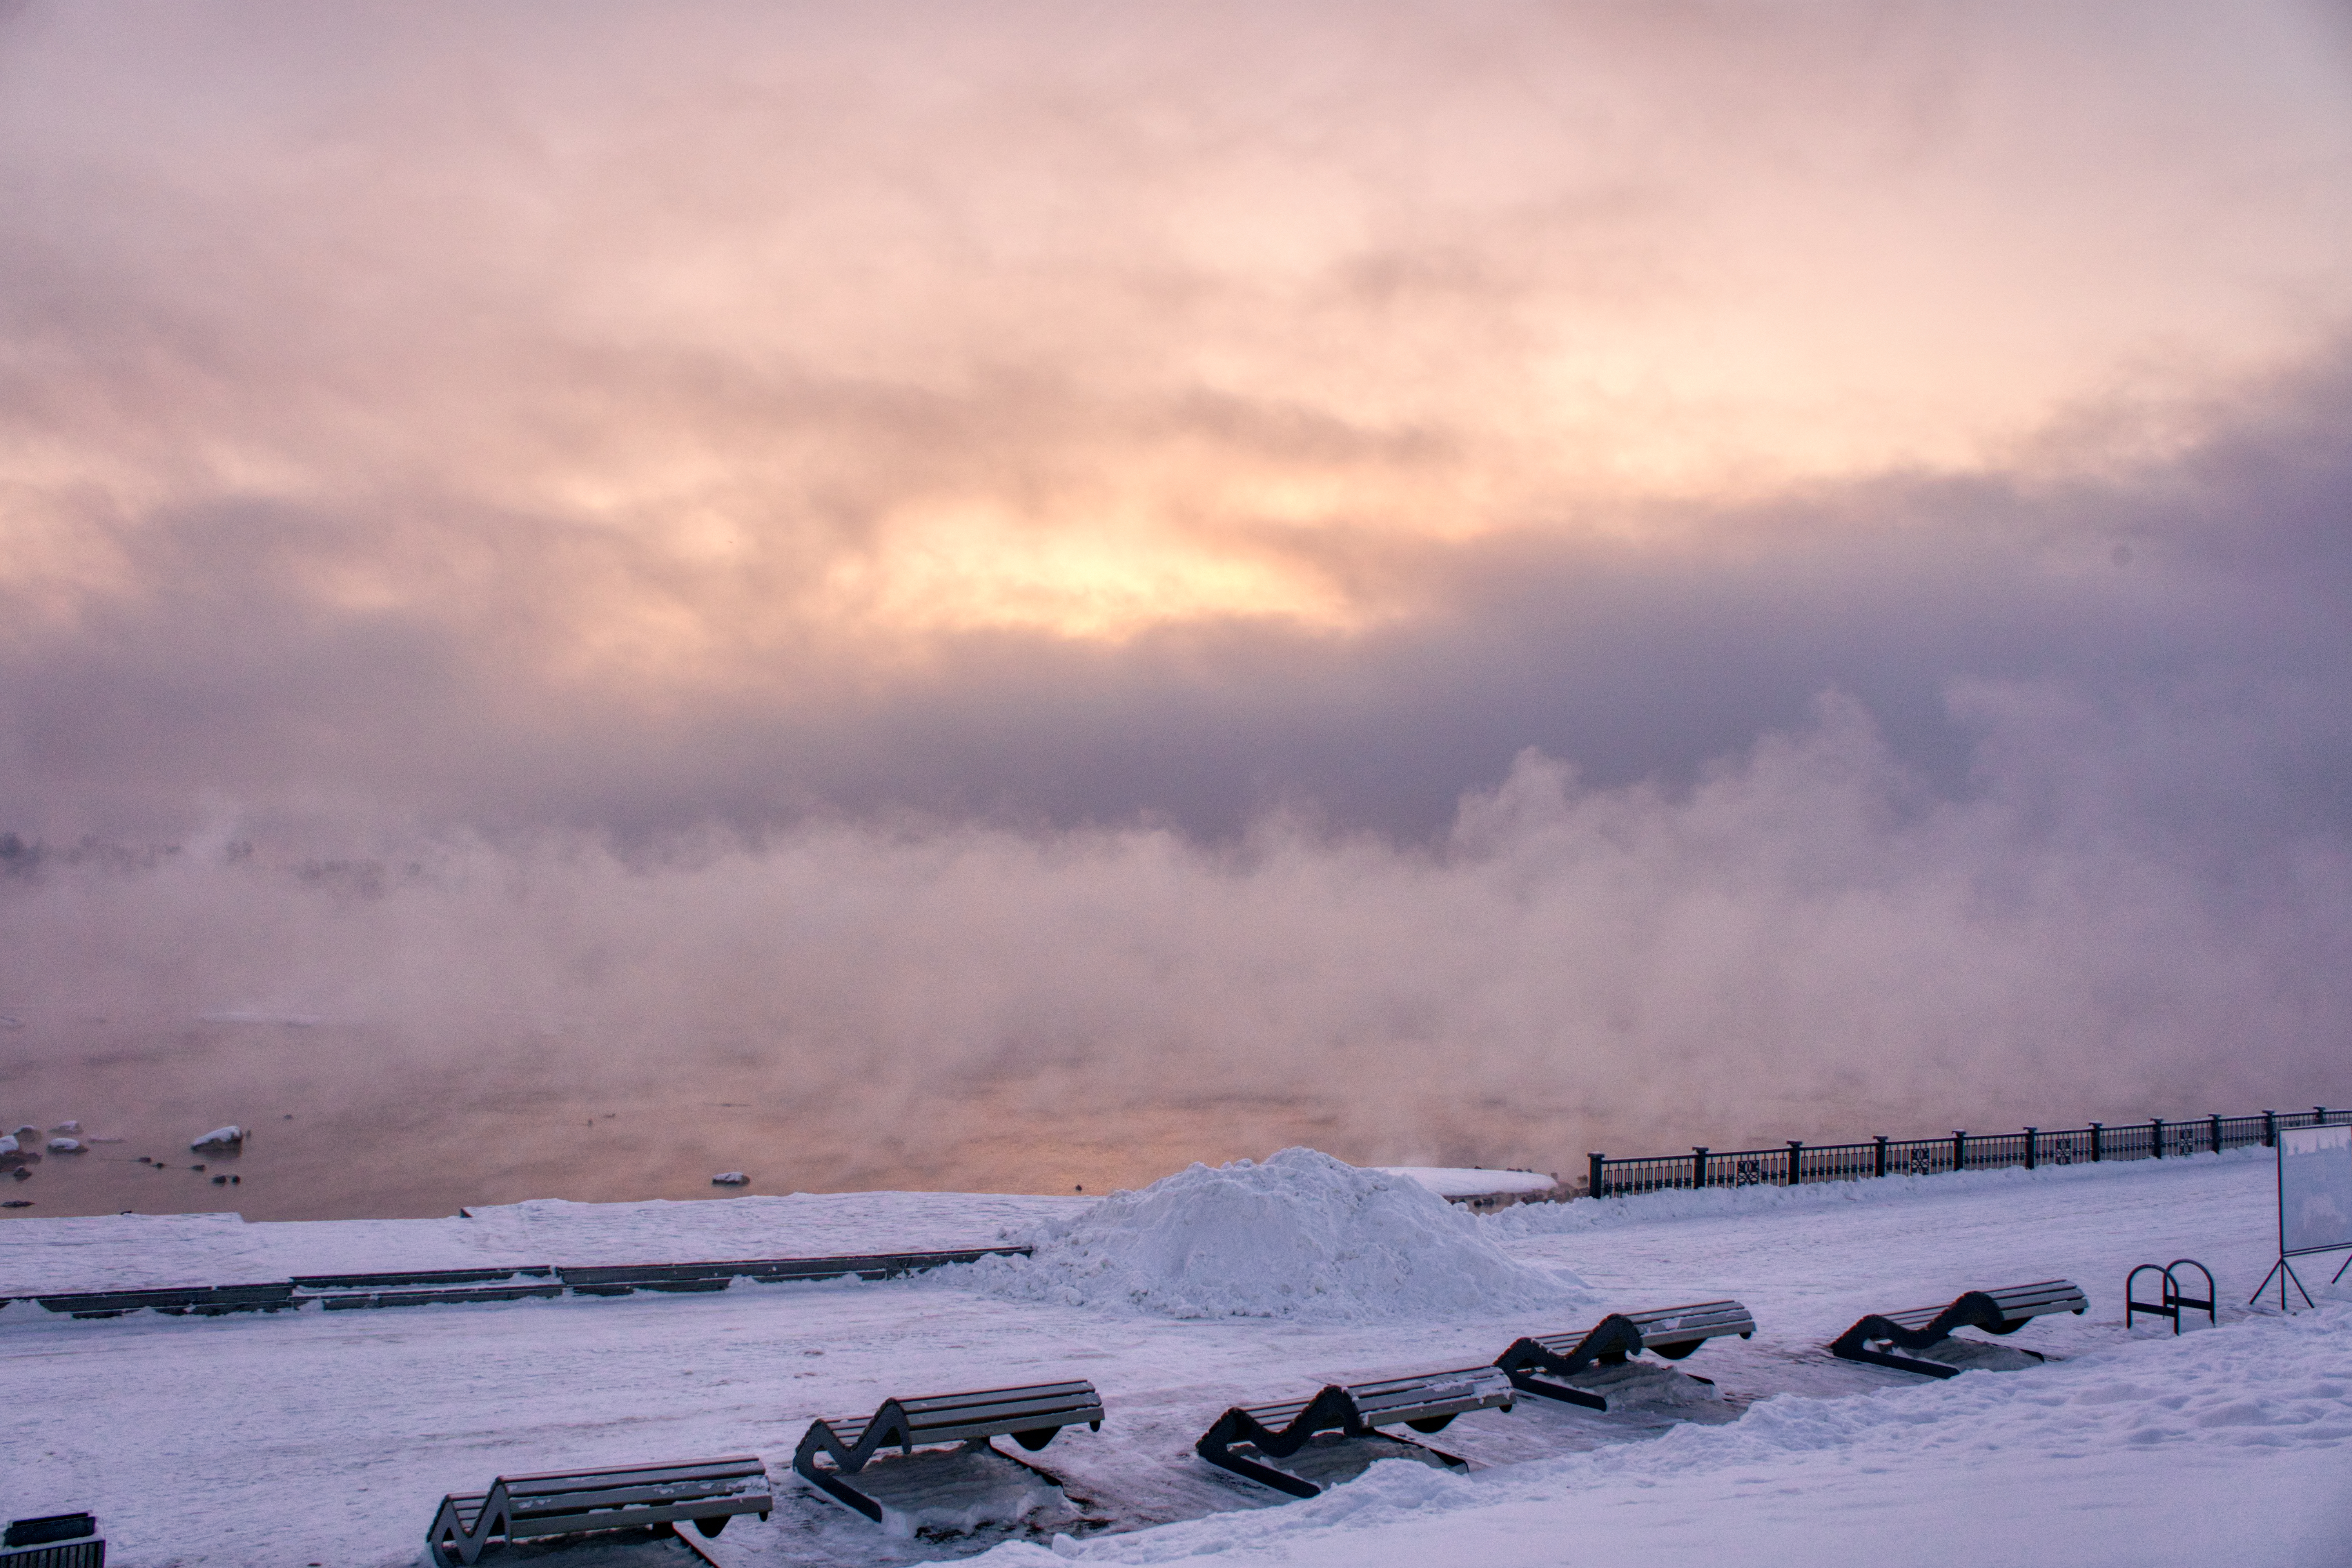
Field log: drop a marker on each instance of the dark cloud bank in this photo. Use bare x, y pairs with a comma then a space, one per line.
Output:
1965, 803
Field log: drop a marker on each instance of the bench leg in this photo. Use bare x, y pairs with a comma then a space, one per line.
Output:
1224, 1458
1257, 1470
834, 1487
987, 1446
1899, 1362
1450, 1461
1532, 1383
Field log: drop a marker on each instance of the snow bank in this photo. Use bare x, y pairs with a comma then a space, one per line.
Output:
1302, 1236
2158, 1449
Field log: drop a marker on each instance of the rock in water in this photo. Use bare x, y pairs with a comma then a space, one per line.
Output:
730, 1179
67, 1146
219, 1141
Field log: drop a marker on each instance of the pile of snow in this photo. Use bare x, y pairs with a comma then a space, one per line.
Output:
1302, 1236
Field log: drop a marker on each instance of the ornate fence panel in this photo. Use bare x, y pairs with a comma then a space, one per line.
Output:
1795, 1163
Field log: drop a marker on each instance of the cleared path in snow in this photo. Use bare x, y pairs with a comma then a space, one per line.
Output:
187, 1436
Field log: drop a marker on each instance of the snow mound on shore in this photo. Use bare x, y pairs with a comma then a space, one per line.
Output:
1301, 1236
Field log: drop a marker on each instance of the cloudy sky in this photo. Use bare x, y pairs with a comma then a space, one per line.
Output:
1467, 582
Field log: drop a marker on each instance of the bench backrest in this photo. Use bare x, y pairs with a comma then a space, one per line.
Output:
49, 1528
1431, 1395
2010, 1304
987, 1413
578, 1490
1690, 1325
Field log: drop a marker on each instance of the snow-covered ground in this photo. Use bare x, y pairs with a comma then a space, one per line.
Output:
328, 1439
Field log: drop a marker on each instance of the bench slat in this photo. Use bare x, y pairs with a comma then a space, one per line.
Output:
986, 1396
581, 1499
730, 1464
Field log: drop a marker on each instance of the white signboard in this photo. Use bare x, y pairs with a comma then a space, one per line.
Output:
2314, 1189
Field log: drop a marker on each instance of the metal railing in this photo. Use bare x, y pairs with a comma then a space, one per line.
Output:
1798, 1163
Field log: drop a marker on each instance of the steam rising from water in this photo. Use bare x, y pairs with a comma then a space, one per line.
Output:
1807, 942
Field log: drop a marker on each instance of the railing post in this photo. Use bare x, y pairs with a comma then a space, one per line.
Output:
2156, 1127
2217, 1132
2270, 1128
2096, 1128
2029, 1146
2319, 1116
1592, 1184
1959, 1151
1698, 1166
1881, 1142
1795, 1149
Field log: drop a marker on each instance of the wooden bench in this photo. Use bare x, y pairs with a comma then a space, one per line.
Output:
1537, 1364
1881, 1337
632, 1497
203, 1300
56, 1541
1426, 1402
425, 1287
1030, 1415
624, 1279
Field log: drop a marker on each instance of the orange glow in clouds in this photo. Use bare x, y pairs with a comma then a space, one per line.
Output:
747, 329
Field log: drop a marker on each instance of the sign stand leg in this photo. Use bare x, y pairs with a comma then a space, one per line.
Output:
2284, 1271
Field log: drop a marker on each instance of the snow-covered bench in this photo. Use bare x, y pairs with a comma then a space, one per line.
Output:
56, 1541
623, 1278
1881, 1337
1539, 1363
519, 1508
425, 1287
203, 1300
1426, 1404
1030, 1415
